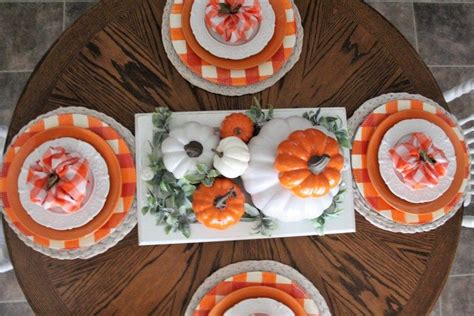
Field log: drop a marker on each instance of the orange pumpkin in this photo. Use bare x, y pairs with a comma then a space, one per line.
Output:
309, 163
239, 125
219, 206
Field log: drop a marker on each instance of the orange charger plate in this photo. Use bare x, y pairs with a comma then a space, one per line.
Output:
246, 63
379, 183
112, 199
257, 292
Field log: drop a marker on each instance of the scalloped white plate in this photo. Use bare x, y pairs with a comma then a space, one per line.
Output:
397, 133
97, 195
232, 51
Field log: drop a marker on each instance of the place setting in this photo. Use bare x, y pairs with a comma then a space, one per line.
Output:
232, 47
68, 183
410, 162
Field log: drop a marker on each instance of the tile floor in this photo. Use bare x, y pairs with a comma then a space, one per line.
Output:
441, 30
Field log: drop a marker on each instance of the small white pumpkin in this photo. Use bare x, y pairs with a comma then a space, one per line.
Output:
188, 146
232, 157
261, 178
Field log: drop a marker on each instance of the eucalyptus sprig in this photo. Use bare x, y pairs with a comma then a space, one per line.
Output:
332, 123
333, 210
264, 225
161, 122
168, 198
203, 174
258, 115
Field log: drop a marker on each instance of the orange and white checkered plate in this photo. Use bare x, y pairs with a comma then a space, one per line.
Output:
247, 279
241, 77
123, 154
359, 162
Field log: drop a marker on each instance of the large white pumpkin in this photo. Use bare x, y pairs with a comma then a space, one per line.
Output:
261, 178
188, 146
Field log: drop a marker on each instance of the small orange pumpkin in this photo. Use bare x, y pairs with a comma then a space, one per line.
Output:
219, 206
239, 125
309, 163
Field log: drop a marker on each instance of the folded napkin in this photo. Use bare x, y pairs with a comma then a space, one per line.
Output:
59, 180
420, 163
234, 20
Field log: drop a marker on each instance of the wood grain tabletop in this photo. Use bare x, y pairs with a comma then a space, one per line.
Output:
112, 60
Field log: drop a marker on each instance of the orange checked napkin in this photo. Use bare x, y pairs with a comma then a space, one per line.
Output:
420, 163
234, 21
59, 180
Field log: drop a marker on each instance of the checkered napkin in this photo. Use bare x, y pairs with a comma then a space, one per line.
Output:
59, 180
234, 20
420, 163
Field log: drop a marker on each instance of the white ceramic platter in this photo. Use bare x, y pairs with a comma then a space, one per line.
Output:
231, 51
397, 133
97, 195
151, 234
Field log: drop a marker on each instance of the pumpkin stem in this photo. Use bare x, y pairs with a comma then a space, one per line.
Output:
426, 158
193, 149
317, 164
221, 201
237, 131
218, 153
53, 179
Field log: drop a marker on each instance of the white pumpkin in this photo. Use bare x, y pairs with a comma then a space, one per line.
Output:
261, 178
232, 157
188, 146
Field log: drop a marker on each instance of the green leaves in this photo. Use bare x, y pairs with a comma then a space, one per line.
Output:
264, 225
159, 137
333, 210
168, 199
251, 211
332, 123
203, 174
257, 115
161, 119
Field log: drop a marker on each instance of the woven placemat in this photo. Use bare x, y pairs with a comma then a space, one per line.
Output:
194, 79
120, 231
359, 201
261, 265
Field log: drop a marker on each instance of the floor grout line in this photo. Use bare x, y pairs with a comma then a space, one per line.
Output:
13, 301
422, 1
415, 28
460, 275
452, 66
15, 71
440, 299
64, 15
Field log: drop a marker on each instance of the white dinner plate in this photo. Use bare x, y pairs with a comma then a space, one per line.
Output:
400, 132
97, 194
229, 51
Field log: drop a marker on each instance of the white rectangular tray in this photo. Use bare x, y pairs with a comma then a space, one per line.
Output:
151, 234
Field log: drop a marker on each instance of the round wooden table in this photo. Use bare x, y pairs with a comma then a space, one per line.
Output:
113, 60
